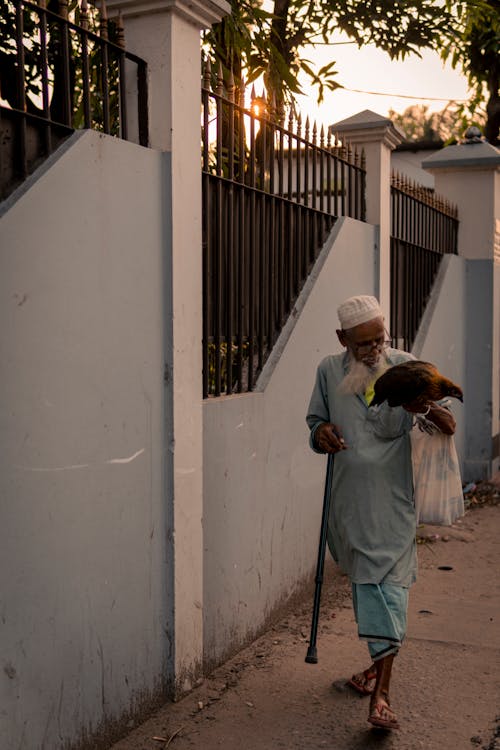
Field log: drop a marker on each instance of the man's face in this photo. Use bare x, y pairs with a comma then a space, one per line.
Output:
365, 341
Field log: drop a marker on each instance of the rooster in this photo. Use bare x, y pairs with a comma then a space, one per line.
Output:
411, 381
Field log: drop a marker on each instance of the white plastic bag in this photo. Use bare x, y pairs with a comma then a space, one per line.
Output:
436, 477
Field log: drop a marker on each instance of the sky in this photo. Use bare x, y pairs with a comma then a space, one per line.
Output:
371, 70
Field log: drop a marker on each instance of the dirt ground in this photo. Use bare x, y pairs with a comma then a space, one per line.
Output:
445, 686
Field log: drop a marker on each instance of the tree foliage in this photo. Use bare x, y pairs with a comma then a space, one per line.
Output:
418, 124
32, 53
475, 49
270, 40
255, 41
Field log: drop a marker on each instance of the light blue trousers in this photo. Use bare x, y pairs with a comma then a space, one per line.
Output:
380, 610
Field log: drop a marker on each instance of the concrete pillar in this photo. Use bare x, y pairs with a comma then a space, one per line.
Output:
377, 136
468, 174
166, 33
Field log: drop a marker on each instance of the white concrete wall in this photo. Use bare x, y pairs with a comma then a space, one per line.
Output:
469, 176
263, 486
84, 584
409, 163
442, 336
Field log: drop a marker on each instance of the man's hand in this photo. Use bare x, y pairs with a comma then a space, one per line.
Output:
442, 418
328, 438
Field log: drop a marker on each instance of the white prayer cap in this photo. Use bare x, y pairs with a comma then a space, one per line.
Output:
357, 310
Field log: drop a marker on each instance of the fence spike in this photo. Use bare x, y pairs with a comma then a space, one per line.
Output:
63, 8
207, 74
356, 156
103, 25
230, 86
299, 123
322, 137
242, 93
120, 31
42, 3
220, 80
307, 128
281, 112
329, 139
315, 133
363, 159
84, 14
274, 109
290, 118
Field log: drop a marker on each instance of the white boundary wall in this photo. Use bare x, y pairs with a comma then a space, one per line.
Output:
441, 336
263, 486
84, 583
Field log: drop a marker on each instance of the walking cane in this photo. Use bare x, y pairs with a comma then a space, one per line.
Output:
312, 657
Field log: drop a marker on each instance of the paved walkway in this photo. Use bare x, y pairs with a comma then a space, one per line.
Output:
445, 684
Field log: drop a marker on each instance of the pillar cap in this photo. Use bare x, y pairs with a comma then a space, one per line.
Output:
469, 154
201, 13
368, 127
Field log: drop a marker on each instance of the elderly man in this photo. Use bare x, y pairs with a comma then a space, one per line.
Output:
372, 521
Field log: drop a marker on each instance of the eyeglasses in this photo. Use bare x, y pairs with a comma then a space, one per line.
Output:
365, 347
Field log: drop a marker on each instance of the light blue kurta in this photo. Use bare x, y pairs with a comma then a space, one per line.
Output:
371, 531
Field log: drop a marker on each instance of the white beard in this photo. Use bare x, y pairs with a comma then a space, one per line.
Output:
359, 376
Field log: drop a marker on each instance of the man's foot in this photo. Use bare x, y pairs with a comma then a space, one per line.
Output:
381, 715
364, 682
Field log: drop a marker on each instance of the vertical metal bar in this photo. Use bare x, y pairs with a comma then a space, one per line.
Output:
242, 244
261, 275
306, 173
349, 181
87, 112
230, 243
84, 41
67, 113
271, 202
206, 244
322, 171
44, 68
355, 186
21, 96
298, 249
298, 168
290, 165
305, 214
314, 154
281, 262
343, 187
217, 266
105, 86
281, 158
331, 187
206, 247
272, 241
142, 103
363, 186
241, 286
253, 250
290, 256
123, 96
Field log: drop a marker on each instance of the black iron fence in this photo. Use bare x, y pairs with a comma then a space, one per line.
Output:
271, 195
60, 71
424, 227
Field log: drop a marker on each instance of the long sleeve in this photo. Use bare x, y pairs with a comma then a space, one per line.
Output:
318, 411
